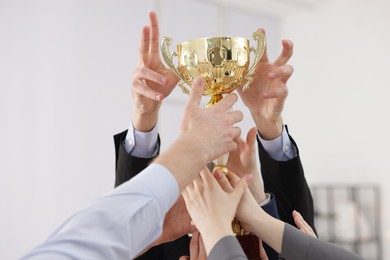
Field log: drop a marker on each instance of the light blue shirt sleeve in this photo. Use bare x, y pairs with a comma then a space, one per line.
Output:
141, 144
118, 225
281, 148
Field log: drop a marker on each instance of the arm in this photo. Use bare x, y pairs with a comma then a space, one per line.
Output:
118, 225
283, 174
288, 241
286, 180
151, 83
127, 165
298, 245
127, 220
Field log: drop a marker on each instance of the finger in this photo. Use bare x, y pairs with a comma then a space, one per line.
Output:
264, 57
202, 249
251, 138
154, 33
198, 183
195, 93
263, 254
144, 44
222, 181
300, 222
194, 245
242, 186
233, 178
284, 72
306, 226
226, 103
286, 54
144, 73
186, 195
206, 176
139, 87
239, 141
235, 116
236, 132
184, 258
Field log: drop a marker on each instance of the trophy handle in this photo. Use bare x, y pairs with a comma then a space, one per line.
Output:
168, 58
259, 37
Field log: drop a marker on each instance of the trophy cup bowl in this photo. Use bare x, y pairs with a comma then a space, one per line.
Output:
222, 62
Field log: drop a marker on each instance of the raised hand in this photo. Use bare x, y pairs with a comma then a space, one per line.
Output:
302, 224
243, 161
152, 81
212, 209
267, 93
212, 127
206, 133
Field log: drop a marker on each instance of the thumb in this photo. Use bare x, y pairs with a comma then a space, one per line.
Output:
196, 92
184, 258
251, 137
242, 185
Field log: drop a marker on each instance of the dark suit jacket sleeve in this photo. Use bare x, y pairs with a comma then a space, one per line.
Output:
286, 180
126, 165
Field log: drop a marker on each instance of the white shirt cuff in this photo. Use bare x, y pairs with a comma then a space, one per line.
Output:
266, 201
280, 148
141, 144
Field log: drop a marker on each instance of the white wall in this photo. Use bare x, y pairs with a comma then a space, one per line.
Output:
65, 70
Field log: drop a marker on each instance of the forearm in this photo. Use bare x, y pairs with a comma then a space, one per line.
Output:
144, 119
118, 225
215, 234
267, 228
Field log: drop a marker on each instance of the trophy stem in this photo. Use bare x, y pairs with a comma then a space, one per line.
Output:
215, 98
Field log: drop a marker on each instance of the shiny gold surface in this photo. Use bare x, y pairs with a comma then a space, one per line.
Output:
222, 62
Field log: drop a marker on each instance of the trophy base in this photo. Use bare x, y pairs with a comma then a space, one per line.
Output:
250, 245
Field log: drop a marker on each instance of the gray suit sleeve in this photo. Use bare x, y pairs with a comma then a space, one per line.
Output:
298, 245
227, 248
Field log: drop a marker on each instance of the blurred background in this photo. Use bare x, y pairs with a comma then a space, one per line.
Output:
65, 73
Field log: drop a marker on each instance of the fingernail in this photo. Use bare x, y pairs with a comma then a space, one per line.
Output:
217, 174
197, 80
265, 94
272, 75
159, 97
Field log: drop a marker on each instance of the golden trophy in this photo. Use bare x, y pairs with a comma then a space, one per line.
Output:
224, 64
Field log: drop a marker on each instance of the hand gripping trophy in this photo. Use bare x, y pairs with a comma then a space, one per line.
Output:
224, 65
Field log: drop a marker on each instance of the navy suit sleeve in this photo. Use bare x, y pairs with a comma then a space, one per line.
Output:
286, 180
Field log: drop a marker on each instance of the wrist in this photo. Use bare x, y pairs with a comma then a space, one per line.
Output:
143, 121
268, 128
190, 156
214, 234
259, 196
